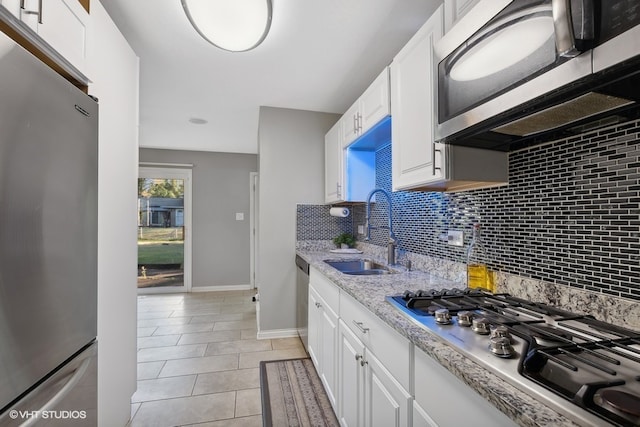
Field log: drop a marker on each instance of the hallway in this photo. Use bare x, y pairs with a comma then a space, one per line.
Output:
198, 360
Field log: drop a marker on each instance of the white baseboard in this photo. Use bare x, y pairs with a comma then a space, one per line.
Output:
277, 333
220, 288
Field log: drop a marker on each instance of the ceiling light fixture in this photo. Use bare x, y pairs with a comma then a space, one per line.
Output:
233, 25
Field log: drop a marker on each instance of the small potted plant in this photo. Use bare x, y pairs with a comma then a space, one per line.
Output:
345, 240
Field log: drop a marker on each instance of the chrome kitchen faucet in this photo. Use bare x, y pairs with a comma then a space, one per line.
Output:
393, 241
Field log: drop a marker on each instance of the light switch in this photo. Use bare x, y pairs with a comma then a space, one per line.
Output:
239, 216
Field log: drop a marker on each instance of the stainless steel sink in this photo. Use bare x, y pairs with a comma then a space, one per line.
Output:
359, 267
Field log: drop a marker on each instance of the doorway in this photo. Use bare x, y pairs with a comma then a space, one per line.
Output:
164, 230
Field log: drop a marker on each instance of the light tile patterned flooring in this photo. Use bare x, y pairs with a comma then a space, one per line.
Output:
198, 360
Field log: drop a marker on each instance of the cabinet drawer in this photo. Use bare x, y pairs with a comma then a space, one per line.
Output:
391, 348
325, 288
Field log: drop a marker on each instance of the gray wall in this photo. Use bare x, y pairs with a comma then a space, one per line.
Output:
290, 146
221, 245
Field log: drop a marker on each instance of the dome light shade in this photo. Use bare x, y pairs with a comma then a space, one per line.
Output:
233, 25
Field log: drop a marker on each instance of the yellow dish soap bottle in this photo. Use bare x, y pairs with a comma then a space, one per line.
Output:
478, 275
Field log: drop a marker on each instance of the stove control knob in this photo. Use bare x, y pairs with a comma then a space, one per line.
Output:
465, 318
501, 347
501, 332
442, 316
480, 325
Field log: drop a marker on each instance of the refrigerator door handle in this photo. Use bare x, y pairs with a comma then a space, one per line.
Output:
53, 402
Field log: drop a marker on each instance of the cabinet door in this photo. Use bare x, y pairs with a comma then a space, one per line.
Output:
374, 102
328, 352
350, 124
62, 24
454, 10
387, 403
412, 107
64, 27
350, 378
12, 6
333, 165
314, 324
420, 417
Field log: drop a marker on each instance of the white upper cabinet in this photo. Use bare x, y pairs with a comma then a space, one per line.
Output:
349, 153
414, 161
374, 102
418, 162
369, 109
333, 165
62, 24
349, 124
349, 173
12, 6
454, 10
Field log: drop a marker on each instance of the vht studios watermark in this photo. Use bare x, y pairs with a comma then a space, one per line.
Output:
48, 415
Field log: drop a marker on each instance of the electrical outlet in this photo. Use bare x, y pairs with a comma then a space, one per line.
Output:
455, 238
361, 229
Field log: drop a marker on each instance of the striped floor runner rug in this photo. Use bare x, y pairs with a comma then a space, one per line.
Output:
292, 395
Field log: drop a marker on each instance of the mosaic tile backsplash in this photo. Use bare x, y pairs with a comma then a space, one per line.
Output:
315, 223
570, 214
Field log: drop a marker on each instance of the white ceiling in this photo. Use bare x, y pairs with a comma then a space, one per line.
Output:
320, 55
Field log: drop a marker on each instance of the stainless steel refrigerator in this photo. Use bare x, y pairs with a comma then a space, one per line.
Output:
48, 245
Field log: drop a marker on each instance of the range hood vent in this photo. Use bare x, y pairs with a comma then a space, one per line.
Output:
588, 105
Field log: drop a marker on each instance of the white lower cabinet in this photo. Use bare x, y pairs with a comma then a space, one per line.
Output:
368, 393
323, 332
387, 403
435, 404
350, 378
421, 418
328, 360
373, 369
368, 368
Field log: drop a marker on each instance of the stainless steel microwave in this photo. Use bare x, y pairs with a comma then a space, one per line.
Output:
513, 73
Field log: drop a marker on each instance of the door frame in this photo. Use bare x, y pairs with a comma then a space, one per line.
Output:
158, 171
253, 236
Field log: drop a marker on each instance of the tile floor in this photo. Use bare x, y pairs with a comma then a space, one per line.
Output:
198, 360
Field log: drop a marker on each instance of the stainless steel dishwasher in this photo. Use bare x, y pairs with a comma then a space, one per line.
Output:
302, 297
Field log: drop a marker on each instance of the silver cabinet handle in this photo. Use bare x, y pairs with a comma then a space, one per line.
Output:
361, 359
318, 305
338, 190
435, 168
359, 122
355, 124
32, 12
360, 326
358, 356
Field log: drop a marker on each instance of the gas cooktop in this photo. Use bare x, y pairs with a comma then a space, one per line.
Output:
544, 351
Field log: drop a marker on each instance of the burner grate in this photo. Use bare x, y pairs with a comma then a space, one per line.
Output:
573, 356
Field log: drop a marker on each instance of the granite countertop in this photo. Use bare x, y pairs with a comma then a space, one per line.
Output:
371, 291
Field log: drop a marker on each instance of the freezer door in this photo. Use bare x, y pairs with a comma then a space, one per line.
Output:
67, 398
48, 220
